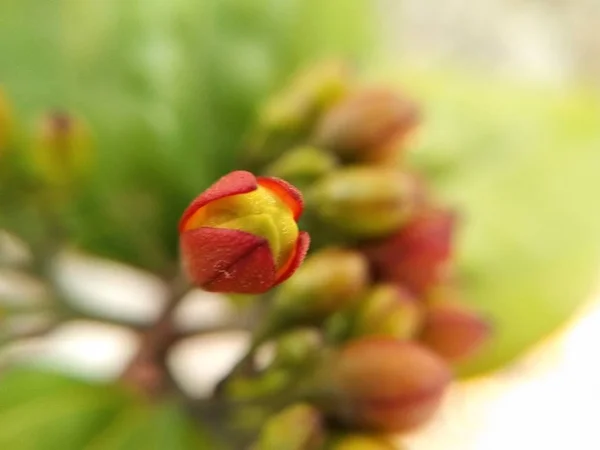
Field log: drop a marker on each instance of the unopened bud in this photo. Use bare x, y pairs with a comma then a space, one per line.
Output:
5, 121
328, 281
62, 148
387, 385
298, 427
417, 255
362, 442
365, 202
307, 95
296, 347
288, 117
367, 125
454, 331
303, 165
387, 310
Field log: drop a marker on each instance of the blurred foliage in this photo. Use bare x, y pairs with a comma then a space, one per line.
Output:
169, 87
46, 410
520, 162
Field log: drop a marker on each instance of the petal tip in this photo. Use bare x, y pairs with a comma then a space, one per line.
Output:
287, 192
236, 182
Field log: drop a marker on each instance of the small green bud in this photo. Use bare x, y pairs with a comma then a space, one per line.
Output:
288, 117
306, 96
365, 202
302, 166
268, 383
5, 121
295, 348
62, 149
387, 310
328, 281
298, 427
362, 442
367, 125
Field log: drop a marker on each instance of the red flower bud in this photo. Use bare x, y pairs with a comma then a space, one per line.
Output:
388, 385
363, 127
417, 255
454, 331
241, 235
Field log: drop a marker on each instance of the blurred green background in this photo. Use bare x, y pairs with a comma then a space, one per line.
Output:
169, 89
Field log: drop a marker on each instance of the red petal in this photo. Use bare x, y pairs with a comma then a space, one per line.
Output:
289, 194
226, 260
237, 182
296, 259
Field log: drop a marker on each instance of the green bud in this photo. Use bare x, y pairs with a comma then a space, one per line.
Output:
387, 310
62, 149
295, 348
268, 383
302, 166
288, 117
5, 121
362, 442
365, 202
298, 427
305, 97
328, 281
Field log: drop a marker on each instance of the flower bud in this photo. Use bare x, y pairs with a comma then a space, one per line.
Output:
363, 127
5, 121
288, 117
296, 347
302, 165
298, 427
454, 331
329, 281
387, 385
387, 310
418, 254
240, 235
62, 148
362, 442
365, 202
305, 97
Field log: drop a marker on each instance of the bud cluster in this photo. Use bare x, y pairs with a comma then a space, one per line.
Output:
378, 283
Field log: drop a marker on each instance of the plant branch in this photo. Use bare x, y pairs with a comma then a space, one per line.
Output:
147, 371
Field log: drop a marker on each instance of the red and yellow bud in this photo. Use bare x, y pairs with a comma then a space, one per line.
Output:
298, 427
388, 310
417, 255
387, 385
454, 331
367, 125
241, 234
62, 148
365, 202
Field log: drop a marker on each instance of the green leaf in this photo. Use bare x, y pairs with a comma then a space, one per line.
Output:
520, 163
45, 411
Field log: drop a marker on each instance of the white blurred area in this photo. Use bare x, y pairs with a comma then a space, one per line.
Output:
543, 40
